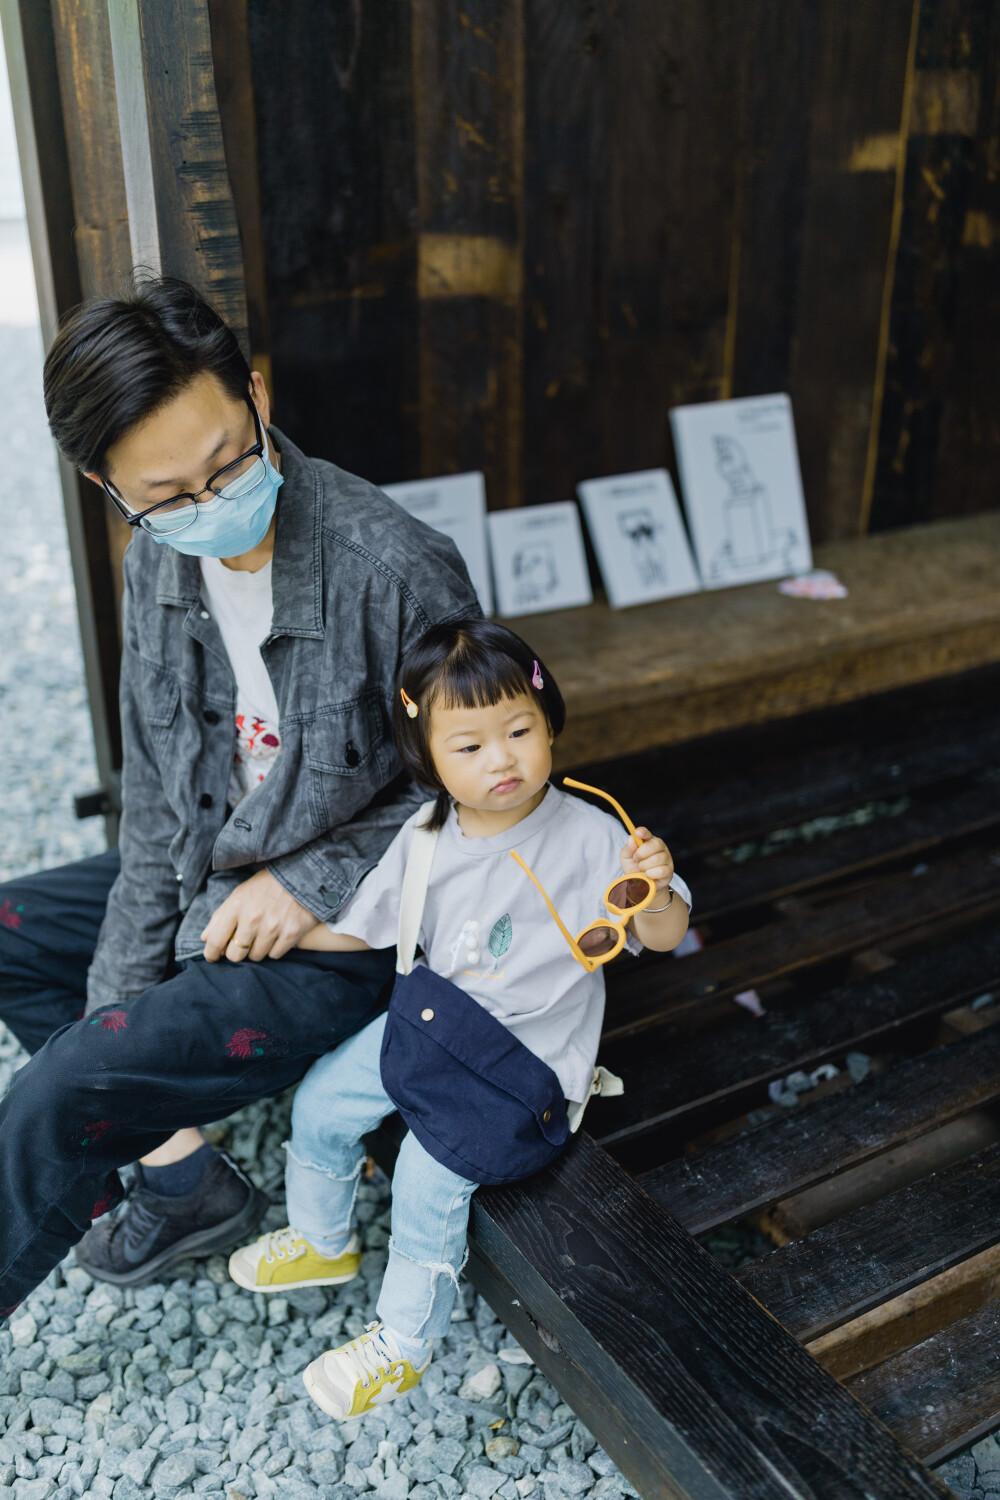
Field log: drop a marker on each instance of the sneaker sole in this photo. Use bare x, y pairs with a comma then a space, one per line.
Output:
193, 1246
287, 1286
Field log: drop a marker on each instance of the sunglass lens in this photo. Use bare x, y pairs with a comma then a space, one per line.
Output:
597, 941
628, 893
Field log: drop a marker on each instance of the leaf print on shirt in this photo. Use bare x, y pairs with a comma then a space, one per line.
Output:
503, 931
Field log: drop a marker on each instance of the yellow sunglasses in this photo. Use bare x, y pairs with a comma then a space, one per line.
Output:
603, 940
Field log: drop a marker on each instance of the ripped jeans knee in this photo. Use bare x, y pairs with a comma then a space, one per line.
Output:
417, 1297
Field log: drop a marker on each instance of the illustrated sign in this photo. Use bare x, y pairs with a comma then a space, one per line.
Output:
739, 472
635, 524
456, 505
539, 562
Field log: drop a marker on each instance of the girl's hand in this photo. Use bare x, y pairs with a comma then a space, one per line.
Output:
652, 858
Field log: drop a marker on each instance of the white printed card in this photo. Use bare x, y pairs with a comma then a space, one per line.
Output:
636, 528
739, 472
539, 561
456, 505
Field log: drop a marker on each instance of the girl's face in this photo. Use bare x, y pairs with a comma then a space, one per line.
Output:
492, 759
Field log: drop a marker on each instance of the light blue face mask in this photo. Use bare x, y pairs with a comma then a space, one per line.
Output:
234, 521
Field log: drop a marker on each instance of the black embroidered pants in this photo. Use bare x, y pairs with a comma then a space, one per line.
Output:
101, 1091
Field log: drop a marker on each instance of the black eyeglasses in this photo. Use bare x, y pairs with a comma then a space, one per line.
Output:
239, 478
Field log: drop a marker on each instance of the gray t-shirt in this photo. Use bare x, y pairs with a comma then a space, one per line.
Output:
486, 928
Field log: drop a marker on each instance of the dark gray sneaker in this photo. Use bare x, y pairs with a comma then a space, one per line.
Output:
149, 1233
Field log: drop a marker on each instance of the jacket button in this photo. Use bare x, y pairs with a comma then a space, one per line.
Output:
210, 716
180, 878
205, 799
351, 755
426, 1015
546, 1117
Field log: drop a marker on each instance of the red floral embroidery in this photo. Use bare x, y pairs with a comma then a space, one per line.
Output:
102, 1206
240, 1044
11, 916
94, 1131
112, 1020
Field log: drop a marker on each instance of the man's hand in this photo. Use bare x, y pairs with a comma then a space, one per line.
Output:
652, 858
259, 920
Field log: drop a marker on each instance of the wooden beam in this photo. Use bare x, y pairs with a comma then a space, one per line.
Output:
181, 211
685, 1380
45, 160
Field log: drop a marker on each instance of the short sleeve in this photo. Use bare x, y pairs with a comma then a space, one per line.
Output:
372, 913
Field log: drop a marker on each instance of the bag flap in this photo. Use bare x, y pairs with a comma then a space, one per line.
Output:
463, 1028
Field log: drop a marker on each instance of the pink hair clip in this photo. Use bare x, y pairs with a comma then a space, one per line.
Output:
537, 680
412, 708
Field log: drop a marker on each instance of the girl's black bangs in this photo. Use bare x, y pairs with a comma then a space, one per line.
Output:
480, 681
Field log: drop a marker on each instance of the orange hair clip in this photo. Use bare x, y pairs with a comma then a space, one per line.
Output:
412, 709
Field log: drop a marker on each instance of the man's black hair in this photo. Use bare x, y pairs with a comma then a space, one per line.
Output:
471, 663
118, 359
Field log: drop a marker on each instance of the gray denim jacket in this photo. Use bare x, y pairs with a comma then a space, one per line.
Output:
355, 581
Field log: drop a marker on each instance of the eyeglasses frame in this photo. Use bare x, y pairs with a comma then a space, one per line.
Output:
134, 518
623, 916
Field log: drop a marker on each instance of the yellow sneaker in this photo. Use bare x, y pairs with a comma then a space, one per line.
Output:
361, 1375
283, 1260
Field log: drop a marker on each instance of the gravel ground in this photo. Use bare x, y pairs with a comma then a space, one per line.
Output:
193, 1387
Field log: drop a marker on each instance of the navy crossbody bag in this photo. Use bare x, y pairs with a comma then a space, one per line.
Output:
477, 1100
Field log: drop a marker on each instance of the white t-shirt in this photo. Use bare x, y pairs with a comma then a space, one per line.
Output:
486, 928
241, 604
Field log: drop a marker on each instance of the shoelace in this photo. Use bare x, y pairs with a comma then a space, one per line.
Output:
373, 1354
139, 1220
281, 1245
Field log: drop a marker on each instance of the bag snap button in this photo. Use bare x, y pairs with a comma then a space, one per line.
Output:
546, 1117
426, 1015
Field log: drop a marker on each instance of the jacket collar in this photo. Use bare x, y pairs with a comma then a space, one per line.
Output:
297, 570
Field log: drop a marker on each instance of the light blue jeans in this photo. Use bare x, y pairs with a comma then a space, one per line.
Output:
341, 1099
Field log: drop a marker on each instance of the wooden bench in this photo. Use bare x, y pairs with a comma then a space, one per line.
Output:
875, 939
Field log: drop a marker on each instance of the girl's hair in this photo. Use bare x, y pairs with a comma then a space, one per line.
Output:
470, 663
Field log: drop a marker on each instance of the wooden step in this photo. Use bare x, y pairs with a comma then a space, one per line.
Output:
670, 1074
797, 784
944, 1393
651, 993
683, 1378
806, 867
810, 1143
880, 1250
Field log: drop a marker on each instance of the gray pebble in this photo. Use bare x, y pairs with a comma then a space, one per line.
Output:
173, 1474
481, 1481
34, 1489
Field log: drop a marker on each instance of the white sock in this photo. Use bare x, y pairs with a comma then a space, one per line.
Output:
417, 1351
330, 1245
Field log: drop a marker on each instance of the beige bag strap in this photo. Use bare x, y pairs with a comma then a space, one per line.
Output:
414, 893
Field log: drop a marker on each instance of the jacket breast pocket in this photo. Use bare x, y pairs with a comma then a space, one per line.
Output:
345, 739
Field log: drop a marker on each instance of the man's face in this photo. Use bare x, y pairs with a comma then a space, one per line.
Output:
184, 442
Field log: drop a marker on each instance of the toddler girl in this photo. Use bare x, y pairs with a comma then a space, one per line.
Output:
525, 937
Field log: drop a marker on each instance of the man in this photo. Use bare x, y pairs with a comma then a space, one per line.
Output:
268, 600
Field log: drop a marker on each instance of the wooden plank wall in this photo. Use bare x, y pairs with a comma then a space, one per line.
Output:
510, 234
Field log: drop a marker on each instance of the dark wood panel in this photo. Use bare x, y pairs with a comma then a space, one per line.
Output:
880, 1250
689, 1384
468, 86
855, 105
954, 43
333, 92
945, 1392
881, 911
668, 1074
723, 1182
